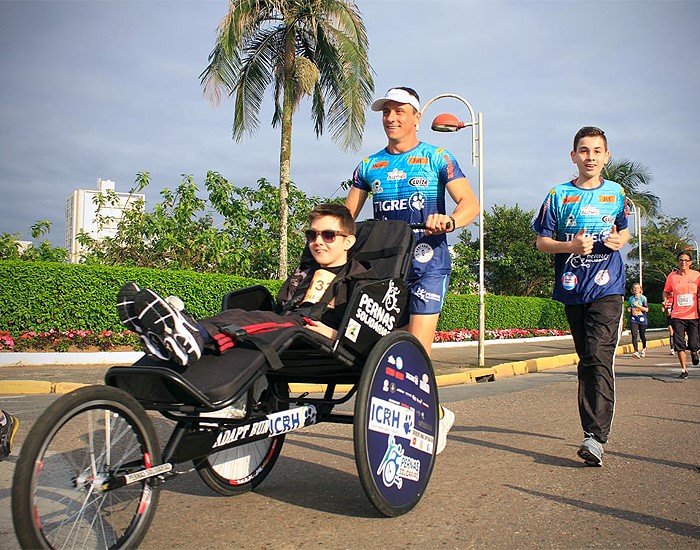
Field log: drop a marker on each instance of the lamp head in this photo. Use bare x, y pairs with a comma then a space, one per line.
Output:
447, 122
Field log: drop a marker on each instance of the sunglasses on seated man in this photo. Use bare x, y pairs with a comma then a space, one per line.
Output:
328, 235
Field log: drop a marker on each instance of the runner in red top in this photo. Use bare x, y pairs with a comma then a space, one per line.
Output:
681, 289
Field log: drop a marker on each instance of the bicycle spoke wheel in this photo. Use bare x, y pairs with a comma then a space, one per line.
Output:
241, 469
83, 441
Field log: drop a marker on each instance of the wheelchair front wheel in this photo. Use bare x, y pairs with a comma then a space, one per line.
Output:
78, 445
241, 469
396, 423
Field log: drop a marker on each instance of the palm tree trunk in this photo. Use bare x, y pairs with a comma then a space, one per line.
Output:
286, 150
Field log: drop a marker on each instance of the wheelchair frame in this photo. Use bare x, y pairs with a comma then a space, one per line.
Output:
91, 467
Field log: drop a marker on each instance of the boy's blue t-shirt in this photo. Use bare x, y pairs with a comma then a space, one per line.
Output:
568, 209
410, 186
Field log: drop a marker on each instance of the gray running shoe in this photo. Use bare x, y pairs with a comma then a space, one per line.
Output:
591, 452
176, 330
7, 434
683, 375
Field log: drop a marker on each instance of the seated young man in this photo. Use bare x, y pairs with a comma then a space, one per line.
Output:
169, 333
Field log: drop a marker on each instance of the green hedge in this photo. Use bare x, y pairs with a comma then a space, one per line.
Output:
502, 312
39, 296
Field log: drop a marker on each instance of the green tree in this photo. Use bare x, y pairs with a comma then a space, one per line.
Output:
233, 231
10, 250
662, 239
513, 265
314, 48
632, 176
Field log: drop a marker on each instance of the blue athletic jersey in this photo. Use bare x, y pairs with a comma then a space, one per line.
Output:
410, 186
566, 211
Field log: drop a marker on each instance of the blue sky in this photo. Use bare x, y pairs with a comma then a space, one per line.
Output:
108, 89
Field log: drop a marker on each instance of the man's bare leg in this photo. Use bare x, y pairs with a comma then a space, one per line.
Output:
423, 327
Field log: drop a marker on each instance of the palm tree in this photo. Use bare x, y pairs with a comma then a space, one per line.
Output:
631, 176
314, 48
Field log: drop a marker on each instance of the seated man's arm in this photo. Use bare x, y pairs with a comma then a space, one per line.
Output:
325, 330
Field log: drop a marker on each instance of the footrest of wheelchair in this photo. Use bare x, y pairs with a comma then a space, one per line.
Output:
211, 380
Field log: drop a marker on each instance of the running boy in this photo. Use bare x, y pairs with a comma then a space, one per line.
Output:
583, 222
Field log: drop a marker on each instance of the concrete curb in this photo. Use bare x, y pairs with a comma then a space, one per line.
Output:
468, 376
22, 359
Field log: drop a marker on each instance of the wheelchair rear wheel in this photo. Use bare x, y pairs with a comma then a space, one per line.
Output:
241, 469
84, 440
396, 423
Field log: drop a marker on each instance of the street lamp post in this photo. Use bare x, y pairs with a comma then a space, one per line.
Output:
449, 123
638, 224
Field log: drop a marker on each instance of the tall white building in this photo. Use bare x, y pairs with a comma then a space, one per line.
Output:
81, 213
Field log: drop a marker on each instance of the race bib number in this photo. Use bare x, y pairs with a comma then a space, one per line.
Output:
322, 279
684, 300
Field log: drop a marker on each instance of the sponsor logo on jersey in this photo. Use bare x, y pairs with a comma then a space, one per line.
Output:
417, 201
569, 280
417, 160
379, 164
607, 198
450, 167
607, 219
571, 221
576, 260
597, 237
590, 211
571, 199
396, 175
423, 253
418, 182
390, 205
426, 296
602, 278
377, 187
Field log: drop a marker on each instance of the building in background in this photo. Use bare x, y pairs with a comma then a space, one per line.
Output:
81, 213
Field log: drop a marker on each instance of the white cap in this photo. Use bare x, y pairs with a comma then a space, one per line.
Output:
398, 95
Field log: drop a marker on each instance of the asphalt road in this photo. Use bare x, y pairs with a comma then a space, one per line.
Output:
509, 477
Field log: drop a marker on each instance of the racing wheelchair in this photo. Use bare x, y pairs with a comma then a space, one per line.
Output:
91, 467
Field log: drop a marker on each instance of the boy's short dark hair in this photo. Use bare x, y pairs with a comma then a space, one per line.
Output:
339, 211
683, 253
589, 131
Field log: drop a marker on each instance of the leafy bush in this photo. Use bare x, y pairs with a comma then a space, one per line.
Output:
502, 312
39, 296
42, 296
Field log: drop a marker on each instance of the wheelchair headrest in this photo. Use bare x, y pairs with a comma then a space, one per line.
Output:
386, 245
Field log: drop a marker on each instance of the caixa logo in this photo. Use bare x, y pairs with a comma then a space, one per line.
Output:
418, 182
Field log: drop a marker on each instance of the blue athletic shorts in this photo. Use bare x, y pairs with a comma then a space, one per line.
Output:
427, 293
